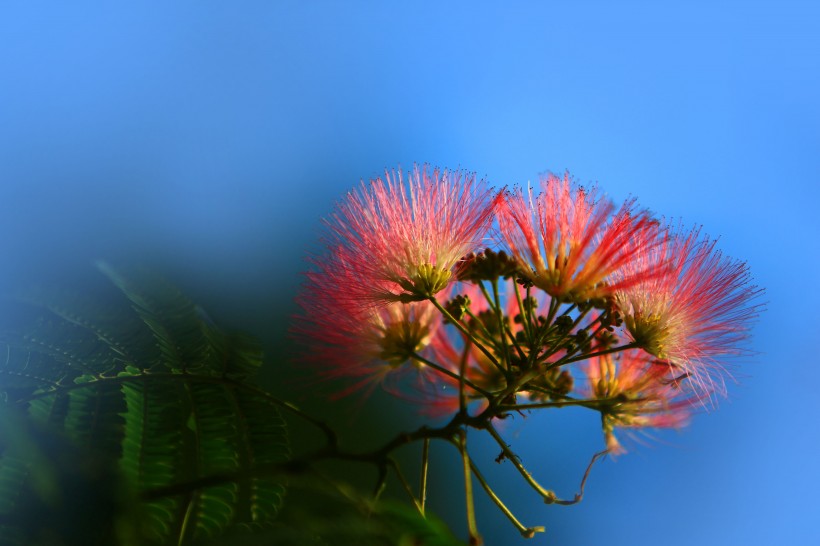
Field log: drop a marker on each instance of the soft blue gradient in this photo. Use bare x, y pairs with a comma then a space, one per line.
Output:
211, 137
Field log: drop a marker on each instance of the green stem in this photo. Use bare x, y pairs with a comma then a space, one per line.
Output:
462, 377
455, 376
495, 306
535, 357
472, 528
558, 343
552, 393
425, 460
526, 532
489, 337
548, 496
592, 403
406, 485
487, 296
526, 315
515, 386
580, 495
486, 333
585, 356
501, 329
381, 480
465, 331
553, 309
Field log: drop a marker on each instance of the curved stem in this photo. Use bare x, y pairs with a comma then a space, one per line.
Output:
526, 532
548, 496
580, 494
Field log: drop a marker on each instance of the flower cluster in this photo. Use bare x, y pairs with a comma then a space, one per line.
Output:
522, 299
391, 246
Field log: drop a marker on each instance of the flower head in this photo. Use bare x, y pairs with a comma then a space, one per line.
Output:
695, 314
401, 237
641, 392
366, 346
568, 241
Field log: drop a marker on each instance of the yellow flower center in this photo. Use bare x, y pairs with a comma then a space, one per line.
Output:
401, 340
427, 281
649, 331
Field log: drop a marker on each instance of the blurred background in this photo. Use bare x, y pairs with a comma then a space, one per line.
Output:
206, 140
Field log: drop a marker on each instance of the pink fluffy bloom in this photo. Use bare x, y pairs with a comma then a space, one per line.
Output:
401, 237
391, 244
643, 394
363, 346
569, 242
697, 313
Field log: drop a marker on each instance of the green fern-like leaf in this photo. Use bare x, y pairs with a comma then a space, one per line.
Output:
151, 448
150, 383
328, 514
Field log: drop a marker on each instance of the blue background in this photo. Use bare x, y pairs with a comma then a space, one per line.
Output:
209, 138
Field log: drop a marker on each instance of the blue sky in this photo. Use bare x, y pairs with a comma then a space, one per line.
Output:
210, 138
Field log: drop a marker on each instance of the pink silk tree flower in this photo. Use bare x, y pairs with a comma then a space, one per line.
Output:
365, 346
696, 314
402, 236
568, 242
641, 392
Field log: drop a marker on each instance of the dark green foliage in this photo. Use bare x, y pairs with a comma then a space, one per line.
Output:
150, 385
130, 419
53, 492
321, 513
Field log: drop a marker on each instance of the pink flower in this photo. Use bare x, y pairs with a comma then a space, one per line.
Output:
695, 314
568, 242
364, 346
400, 238
642, 392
